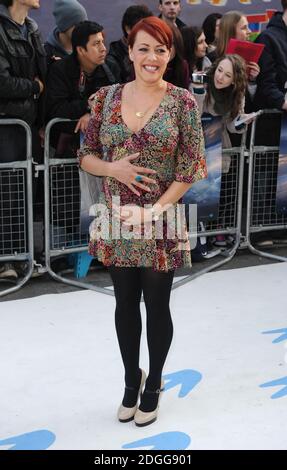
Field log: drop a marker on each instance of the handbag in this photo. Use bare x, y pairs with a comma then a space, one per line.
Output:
91, 186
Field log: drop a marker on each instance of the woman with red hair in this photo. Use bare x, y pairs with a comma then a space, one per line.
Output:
152, 136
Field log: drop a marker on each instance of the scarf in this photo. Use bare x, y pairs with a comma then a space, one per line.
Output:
223, 99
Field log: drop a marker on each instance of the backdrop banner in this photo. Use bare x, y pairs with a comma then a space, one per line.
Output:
109, 13
206, 193
281, 194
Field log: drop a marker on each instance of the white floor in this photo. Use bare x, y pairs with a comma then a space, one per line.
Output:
61, 373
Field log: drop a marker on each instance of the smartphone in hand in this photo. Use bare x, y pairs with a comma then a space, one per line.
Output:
243, 119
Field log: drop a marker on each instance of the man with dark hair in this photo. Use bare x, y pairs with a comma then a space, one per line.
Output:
73, 79
22, 76
67, 13
118, 53
272, 80
169, 12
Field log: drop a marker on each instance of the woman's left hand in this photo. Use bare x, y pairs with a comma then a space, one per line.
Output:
132, 215
253, 70
83, 123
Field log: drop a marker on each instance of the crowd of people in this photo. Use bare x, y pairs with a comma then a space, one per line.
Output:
147, 89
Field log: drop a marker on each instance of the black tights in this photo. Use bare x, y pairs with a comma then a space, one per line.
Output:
129, 284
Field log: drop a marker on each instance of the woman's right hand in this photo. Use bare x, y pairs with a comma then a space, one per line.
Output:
253, 70
125, 172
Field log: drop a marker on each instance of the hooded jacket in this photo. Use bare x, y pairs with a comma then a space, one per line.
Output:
272, 80
53, 47
21, 60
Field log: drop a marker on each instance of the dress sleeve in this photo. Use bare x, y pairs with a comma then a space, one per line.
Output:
190, 164
91, 144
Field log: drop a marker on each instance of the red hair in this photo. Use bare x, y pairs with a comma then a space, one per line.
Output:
155, 27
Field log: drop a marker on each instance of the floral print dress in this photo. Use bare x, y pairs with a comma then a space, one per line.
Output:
171, 143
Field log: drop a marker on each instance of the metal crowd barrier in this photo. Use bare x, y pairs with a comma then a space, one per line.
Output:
261, 196
62, 207
62, 211
16, 211
229, 217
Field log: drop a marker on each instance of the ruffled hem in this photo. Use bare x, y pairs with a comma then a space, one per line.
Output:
162, 262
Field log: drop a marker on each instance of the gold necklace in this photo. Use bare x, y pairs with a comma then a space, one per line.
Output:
140, 114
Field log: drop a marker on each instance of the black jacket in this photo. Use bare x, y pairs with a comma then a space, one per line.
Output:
54, 48
21, 61
271, 81
65, 99
180, 24
119, 56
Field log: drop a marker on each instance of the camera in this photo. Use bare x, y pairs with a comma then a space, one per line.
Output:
199, 77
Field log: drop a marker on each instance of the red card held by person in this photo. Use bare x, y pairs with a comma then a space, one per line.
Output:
249, 51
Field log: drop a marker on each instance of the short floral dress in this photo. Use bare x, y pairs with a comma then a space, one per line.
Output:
171, 143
